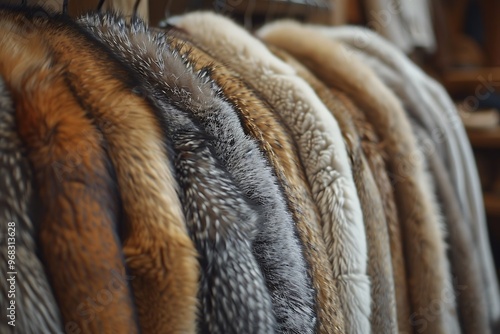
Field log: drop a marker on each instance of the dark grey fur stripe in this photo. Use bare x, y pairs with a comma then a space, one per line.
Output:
36, 309
221, 220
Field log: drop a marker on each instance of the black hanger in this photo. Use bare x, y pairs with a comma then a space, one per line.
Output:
65, 7
99, 5
134, 12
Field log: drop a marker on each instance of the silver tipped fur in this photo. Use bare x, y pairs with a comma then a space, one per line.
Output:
276, 246
222, 221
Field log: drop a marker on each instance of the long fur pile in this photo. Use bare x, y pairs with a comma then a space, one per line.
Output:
472, 307
222, 222
425, 250
35, 304
320, 147
157, 247
383, 313
377, 159
260, 122
75, 188
276, 247
427, 101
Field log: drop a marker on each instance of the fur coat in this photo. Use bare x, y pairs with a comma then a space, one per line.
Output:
420, 219
75, 189
375, 154
233, 295
472, 306
36, 307
383, 313
276, 247
321, 150
427, 102
261, 123
159, 253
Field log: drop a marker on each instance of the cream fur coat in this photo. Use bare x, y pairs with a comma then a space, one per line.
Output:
429, 104
383, 312
420, 219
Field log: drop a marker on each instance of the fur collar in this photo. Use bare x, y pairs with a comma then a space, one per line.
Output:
208, 193
260, 122
420, 219
320, 147
74, 185
158, 250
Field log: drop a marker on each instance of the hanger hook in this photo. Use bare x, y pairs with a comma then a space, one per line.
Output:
136, 8
65, 7
99, 5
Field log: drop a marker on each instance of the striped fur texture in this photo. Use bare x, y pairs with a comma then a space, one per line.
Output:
78, 207
383, 313
261, 123
424, 238
35, 304
223, 223
158, 250
320, 147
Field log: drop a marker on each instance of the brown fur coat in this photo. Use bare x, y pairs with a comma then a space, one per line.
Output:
375, 154
472, 307
157, 248
36, 307
75, 188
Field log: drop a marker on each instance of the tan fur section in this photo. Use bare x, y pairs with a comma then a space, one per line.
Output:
467, 282
374, 151
158, 250
261, 123
383, 315
425, 251
79, 207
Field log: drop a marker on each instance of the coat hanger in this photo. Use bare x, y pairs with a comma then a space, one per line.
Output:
99, 5
247, 19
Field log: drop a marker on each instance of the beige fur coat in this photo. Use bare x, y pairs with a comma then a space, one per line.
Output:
425, 250
383, 313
